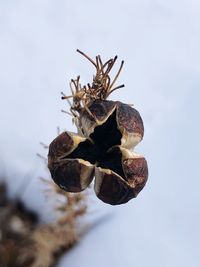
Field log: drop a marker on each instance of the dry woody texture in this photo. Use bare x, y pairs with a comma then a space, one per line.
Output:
107, 133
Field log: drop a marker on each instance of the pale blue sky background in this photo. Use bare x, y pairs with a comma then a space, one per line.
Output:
160, 43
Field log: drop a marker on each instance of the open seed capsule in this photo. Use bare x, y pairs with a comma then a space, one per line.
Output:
108, 130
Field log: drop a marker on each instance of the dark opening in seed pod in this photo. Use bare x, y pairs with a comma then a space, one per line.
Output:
127, 119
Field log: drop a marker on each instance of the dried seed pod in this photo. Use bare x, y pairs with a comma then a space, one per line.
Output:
69, 172
121, 176
128, 119
107, 129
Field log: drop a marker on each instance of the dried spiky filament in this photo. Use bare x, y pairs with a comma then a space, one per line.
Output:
100, 88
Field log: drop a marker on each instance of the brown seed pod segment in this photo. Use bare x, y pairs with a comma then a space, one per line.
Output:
121, 176
129, 121
71, 173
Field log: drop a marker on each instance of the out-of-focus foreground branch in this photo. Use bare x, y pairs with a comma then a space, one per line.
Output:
25, 242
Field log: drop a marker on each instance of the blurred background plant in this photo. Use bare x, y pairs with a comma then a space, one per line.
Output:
26, 241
